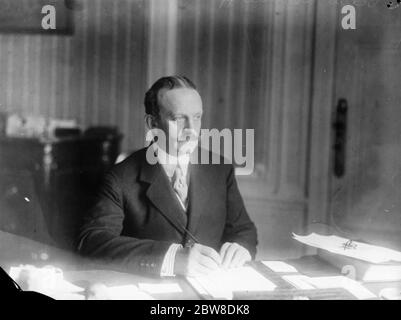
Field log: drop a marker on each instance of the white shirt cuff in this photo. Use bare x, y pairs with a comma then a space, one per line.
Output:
167, 269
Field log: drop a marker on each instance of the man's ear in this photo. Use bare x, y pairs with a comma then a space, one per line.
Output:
150, 121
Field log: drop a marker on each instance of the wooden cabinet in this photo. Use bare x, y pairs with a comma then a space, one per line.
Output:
47, 185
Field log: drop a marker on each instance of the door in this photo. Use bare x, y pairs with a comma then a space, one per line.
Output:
366, 146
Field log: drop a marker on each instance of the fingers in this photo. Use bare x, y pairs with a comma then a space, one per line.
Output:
223, 249
234, 255
208, 257
202, 260
240, 257
229, 254
211, 253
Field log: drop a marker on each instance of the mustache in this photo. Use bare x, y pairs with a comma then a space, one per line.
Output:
188, 135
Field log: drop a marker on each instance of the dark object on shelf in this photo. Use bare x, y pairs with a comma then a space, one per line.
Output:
47, 185
3, 123
67, 132
101, 132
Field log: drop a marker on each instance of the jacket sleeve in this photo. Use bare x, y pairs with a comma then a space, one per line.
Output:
100, 235
238, 228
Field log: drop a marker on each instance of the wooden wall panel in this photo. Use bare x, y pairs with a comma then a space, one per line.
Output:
275, 222
323, 100
97, 75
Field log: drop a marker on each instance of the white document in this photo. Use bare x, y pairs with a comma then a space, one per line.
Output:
299, 281
305, 283
279, 266
127, 292
221, 284
354, 287
357, 250
377, 272
199, 288
206, 286
160, 287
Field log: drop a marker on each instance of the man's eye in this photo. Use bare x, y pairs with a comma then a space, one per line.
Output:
197, 117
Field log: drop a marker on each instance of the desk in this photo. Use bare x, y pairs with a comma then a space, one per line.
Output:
15, 250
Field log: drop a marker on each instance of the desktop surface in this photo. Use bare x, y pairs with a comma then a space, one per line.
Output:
16, 250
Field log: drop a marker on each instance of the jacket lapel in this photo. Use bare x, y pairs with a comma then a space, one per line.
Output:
199, 197
161, 194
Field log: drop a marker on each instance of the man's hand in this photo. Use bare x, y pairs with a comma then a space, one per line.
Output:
233, 255
196, 261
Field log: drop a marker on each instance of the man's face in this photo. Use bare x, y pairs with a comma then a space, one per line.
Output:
180, 118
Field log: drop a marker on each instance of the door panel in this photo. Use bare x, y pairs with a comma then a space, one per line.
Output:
365, 201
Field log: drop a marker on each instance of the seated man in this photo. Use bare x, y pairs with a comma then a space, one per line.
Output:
171, 216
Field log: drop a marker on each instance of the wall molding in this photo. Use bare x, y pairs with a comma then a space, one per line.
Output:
323, 100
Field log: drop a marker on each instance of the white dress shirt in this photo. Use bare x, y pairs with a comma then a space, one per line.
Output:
169, 163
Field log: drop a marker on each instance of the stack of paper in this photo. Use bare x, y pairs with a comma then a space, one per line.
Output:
303, 282
223, 283
299, 281
354, 287
357, 250
279, 266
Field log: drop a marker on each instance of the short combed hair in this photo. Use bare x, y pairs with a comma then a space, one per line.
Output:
172, 82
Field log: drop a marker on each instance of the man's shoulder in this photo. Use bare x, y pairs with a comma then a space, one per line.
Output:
131, 164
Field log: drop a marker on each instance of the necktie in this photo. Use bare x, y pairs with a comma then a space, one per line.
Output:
180, 185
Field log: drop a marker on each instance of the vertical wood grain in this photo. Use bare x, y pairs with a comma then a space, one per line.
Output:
89, 76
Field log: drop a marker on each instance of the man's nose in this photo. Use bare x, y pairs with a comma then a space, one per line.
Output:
189, 123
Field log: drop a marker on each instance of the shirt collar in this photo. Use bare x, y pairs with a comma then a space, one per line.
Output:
170, 162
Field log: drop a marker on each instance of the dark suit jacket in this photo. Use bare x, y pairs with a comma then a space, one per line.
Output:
134, 220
